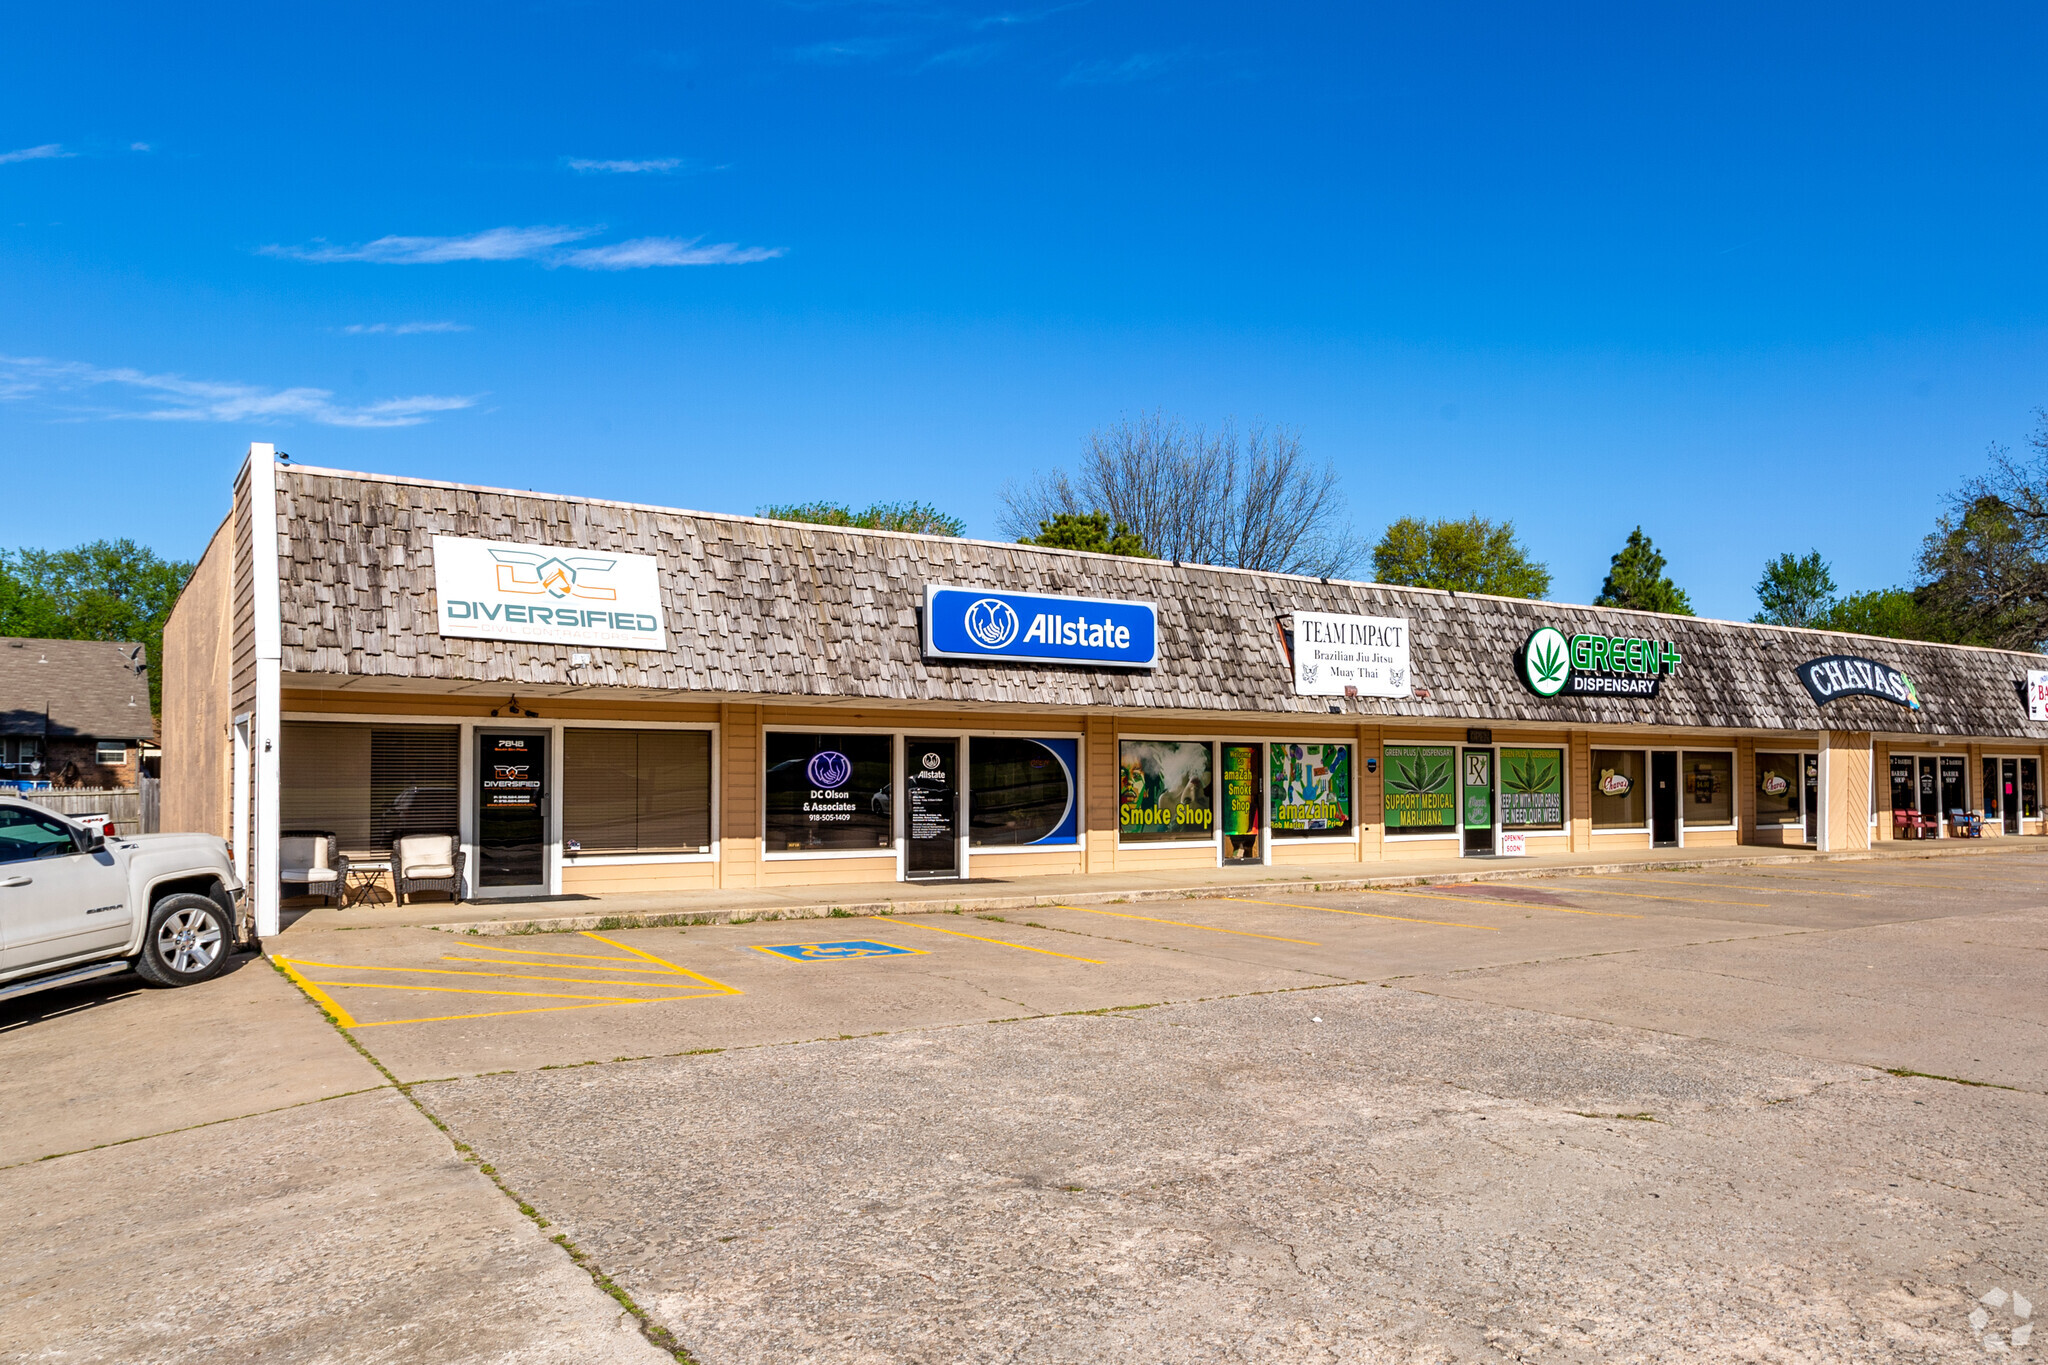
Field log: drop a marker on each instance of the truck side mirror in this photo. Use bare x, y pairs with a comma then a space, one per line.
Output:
91, 841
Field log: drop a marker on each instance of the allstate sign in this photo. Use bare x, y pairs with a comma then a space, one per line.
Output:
975, 623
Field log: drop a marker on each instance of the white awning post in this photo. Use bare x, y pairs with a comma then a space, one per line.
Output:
267, 599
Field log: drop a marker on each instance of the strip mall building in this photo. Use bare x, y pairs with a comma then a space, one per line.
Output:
602, 698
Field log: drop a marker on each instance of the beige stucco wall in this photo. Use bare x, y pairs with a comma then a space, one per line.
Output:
198, 746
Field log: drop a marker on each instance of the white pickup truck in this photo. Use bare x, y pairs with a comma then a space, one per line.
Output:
75, 904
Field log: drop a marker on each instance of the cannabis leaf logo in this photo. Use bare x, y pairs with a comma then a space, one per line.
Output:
1533, 772
1419, 776
1546, 662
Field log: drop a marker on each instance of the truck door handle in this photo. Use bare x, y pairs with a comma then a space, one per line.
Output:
17, 881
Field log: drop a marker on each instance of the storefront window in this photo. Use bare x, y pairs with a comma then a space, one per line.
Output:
1532, 789
1902, 783
636, 791
1021, 791
2030, 789
368, 784
1419, 796
1777, 789
1311, 786
1708, 786
1954, 774
21, 756
1618, 800
1167, 790
827, 793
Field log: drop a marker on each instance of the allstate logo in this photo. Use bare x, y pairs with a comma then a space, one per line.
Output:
829, 769
991, 623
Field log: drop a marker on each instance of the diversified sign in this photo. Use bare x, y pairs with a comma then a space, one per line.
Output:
974, 623
1846, 675
1336, 654
1595, 665
497, 590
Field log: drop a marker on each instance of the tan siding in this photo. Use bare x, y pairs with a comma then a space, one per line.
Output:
1102, 793
739, 791
198, 738
1048, 862
1369, 794
827, 871
639, 878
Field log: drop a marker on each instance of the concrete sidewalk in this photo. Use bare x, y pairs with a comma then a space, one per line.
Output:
568, 913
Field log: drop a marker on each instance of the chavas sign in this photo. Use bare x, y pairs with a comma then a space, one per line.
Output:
1847, 675
1554, 664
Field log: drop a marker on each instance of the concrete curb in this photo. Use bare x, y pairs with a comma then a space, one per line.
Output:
564, 924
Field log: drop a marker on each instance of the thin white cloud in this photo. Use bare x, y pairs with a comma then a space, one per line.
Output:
643, 252
543, 244
45, 152
139, 396
492, 244
845, 51
140, 147
658, 166
401, 329
1138, 66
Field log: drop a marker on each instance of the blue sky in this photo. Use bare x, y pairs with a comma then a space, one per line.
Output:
1755, 278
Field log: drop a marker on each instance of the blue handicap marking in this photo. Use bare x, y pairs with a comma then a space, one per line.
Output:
834, 952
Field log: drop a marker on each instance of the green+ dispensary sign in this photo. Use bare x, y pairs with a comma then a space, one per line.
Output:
1595, 665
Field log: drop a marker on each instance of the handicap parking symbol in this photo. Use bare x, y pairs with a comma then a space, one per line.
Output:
834, 952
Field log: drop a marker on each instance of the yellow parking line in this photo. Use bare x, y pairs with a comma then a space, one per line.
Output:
1182, 924
488, 976
502, 1014
1493, 900
327, 1002
627, 947
563, 966
536, 952
535, 995
1367, 914
1021, 947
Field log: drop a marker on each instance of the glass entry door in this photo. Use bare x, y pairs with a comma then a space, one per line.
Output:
1475, 800
1244, 802
1930, 792
511, 811
931, 809
1810, 765
1663, 797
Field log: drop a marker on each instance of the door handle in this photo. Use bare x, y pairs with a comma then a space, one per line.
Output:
17, 881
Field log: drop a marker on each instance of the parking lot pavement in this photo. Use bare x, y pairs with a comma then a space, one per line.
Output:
1658, 1115
113, 1060
345, 1231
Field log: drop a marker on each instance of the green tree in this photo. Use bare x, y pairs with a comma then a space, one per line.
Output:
918, 518
1088, 531
1795, 590
107, 590
1895, 613
1635, 578
1473, 555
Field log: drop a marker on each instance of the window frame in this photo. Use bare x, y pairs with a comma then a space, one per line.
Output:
1734, 792
99, 753
1272, 834
966, 738
560, 755
1592, 776
1798, 820
1211, 840
1454, 833
1564, 751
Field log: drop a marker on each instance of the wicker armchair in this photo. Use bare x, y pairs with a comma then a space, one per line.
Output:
310, 863
426, 862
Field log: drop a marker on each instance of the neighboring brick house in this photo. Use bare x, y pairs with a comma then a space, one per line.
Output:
73, 712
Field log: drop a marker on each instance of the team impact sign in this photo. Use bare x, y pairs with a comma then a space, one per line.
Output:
497, 590
974, 623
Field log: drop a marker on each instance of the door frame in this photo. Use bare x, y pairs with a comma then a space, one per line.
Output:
550, 813
1493, 769
959, 743
1676, 758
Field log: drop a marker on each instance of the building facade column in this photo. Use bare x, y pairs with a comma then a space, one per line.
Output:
739, 795
1103, 787
1845, 777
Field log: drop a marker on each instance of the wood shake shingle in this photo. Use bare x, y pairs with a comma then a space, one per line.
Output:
780, 610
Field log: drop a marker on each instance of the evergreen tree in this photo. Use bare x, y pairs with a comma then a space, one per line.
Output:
1636, 579
1088, 531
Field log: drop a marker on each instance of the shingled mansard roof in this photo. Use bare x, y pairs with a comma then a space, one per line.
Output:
796, 611
74, 689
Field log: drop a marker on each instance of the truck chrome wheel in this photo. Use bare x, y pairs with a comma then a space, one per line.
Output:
189, 940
